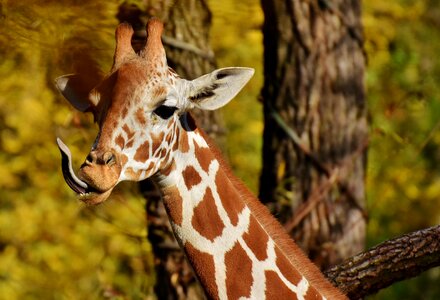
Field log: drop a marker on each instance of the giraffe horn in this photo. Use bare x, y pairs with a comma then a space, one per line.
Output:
123, 35
153, 49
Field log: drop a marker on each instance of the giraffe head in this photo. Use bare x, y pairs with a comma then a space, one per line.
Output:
140, 107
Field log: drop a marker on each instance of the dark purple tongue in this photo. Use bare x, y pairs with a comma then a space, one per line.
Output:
74, 182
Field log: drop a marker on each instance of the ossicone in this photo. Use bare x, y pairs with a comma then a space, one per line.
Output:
153, 46
123, 35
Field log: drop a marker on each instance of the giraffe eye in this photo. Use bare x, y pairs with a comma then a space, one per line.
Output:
165, 112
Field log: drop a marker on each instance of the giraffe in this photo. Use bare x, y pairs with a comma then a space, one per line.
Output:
235, 246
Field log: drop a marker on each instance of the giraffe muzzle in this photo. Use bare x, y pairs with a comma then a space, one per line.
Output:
82, 188
87, 190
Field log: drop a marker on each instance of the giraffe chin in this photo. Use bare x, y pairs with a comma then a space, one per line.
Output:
93, 198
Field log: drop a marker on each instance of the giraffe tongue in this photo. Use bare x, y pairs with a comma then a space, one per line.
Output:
74, 182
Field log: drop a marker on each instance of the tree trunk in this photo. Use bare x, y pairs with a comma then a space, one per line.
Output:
315, 134
186, 40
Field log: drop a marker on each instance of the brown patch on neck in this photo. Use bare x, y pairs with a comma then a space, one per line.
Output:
173, 204
286, 268
191, 177
206, 219
238, 285
256, 239
276, 289
312, 294
230, 197
204, 156
204, 268
183, 142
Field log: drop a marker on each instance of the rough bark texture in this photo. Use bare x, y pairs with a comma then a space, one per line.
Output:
315, 134
186, 36
394, 260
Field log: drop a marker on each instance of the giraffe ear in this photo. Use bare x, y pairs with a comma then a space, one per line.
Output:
216, 89
76, 91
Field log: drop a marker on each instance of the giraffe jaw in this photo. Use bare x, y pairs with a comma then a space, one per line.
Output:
92, 198
87, 193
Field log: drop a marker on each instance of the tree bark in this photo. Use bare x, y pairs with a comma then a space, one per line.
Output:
186, 40
394, 260
315, 134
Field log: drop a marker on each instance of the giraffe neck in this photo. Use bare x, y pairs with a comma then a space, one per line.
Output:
235, 246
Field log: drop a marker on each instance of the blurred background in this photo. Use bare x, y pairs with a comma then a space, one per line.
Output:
53, 247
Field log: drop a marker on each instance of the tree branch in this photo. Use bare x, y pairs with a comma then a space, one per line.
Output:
394, 260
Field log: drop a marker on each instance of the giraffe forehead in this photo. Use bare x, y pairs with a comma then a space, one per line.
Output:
143, 76
130, 85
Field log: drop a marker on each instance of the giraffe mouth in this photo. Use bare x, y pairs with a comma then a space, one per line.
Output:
77, 185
